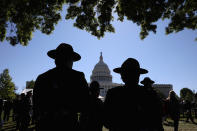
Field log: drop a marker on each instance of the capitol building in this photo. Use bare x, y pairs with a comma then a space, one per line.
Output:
101, 73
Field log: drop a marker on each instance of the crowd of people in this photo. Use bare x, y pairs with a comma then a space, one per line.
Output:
19, 109
63, 100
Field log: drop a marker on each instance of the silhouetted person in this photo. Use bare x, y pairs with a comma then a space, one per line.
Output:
7, 108
148, 83
1, 107
195, 105
1, 110
96, 110
61, 93
16, 111
188, 108
30, 102
182, 108
29, 106
152, 106
174, 109
23, 113
123, 104
14, 105
165, 112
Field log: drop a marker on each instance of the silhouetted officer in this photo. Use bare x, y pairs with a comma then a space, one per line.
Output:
96, 110
123, 104
60, 93
152, 105
147, 82
173, 108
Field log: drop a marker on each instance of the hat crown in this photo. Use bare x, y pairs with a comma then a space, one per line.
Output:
131, 63
64, 50
147, 80
63, 47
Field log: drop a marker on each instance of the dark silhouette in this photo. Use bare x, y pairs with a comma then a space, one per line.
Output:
60, 94
147, 82
125, 106
1, 107
173, 108
7, 108
1, 110
188, 108
23, 113
30, 103
96, 112
152, 105
16, 111
29, 107
195, 105
182, 108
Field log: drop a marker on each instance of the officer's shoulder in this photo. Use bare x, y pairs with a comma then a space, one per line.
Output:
146, 89
46, 74
77, 72
141, 87
116, 89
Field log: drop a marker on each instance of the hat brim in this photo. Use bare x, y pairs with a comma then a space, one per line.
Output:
143, 82
120, 70
53, 54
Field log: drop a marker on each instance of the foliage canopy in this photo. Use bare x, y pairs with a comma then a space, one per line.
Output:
187, 94
30, 84
20, 18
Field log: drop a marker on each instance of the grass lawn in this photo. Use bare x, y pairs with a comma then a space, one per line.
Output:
168, 126
183, 126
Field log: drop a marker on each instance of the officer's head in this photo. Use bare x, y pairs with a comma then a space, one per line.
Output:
130, 71
64, 55
147, 82
95, 88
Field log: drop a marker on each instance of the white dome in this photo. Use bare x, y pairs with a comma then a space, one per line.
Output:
101, 72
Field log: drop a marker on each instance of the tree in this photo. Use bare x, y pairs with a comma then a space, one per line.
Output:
187, 94
30, 84
7, 87
20, 18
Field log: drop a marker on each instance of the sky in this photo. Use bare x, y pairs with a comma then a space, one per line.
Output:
170, 59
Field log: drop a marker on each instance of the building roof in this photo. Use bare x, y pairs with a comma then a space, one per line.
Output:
26, 90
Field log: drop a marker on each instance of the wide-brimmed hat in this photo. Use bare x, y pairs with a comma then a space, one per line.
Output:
130, 64
147, 80
64, 50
